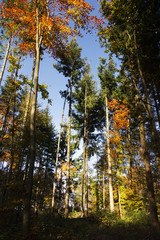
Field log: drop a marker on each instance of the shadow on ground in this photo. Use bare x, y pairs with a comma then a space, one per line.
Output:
50, 228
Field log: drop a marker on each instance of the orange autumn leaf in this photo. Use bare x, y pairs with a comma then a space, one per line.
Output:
53, 22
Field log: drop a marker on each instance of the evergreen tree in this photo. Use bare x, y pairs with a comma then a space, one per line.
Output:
108, 85
71, 65
84, 119
126, 33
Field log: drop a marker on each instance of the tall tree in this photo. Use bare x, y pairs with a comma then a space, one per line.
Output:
48, 29
70, 65
57, 155
108, 85
84, 121
125, 36
127, 28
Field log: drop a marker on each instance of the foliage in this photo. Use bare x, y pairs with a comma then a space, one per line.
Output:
132, 92
95, 226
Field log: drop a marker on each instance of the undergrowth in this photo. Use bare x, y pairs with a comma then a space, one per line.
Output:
98, 226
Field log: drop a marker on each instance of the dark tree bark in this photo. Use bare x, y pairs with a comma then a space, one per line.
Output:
149, 180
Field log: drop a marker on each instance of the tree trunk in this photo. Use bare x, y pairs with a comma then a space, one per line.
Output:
149, 180
68, 153
28, 98
104, 191
87, 179
8, 179
61, 190
5, 59
156, 105
44, 183
111, 199
36, 204
13, 133
57, 155
5, 119
84, 164
83, 176
97, 192
29, 185
26, 170
86, 174
119, 202
130, 155
12, 96
155, 142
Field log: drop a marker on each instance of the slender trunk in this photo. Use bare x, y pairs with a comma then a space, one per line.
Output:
5, 119
84, 165
86, 174
68, 153
44, 184
5, 59
83, 176
130, 155
26, 170
29, 186
156, 105
36, 204
104, 191
119, 202
13, 132
9, 175
28, 99
97, 192
155, 142
87, 180
157, 90
57, 155
61, 190
149, 180
155, 137
143, 80
111, 199
12, 96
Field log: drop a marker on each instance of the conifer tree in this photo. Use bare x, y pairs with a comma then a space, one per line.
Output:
84, 119
108, 85
70, 65
125, 36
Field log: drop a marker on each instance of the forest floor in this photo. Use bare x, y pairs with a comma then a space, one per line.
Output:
47, 227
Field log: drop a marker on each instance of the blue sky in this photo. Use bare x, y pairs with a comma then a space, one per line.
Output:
56, 82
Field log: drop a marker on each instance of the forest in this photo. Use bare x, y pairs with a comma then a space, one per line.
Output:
47, 191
